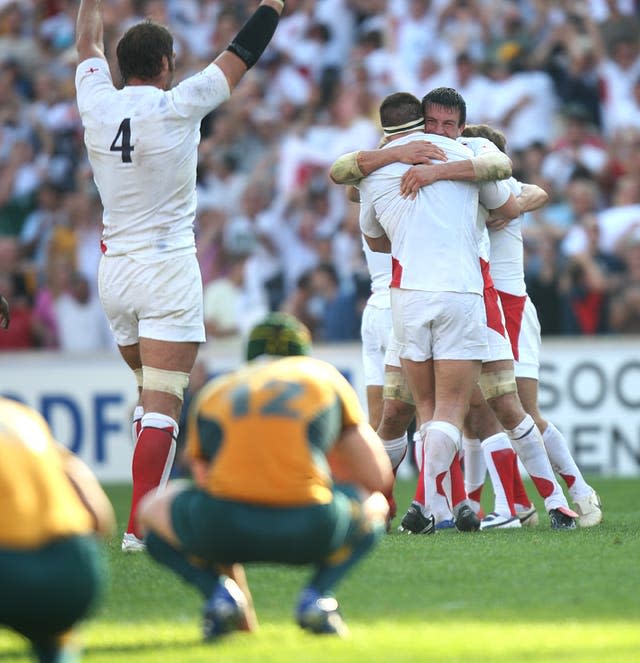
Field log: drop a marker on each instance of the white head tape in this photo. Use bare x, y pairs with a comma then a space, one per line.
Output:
401, 128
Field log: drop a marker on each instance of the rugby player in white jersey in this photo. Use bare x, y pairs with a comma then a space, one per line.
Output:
389, 400
436, 287
142, 143
507, 268
375, 331
498, 381
488, 167
444, 113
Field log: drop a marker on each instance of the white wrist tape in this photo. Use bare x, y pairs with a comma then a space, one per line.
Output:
491, 166
345, 169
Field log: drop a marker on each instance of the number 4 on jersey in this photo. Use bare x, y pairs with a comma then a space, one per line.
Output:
125, 147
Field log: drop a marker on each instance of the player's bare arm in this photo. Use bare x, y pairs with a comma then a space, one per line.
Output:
509, 211
89, 30
352, 167
359, 457
250, 42
486, 167
90, 492
380, 244
532, 197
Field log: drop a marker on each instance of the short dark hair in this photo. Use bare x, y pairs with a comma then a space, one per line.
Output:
446, 97
399, 108
485, 131
141, 49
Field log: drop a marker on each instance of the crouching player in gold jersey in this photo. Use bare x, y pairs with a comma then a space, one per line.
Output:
286, 469
51, 507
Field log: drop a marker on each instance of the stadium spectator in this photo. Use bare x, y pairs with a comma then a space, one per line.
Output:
625, 304
40, 225
20, 335
231, 305
59, 271
310, 420
581, 197
267, 135
542, 275
51, 570
5, 313
338, 317
80, 321
570, 54
298, 302
580, 149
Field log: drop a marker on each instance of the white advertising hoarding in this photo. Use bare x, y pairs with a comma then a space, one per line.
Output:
589, 388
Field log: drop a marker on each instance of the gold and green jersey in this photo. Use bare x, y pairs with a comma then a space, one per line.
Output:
38, 503
266, 430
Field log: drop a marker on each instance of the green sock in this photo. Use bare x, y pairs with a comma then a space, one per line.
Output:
205, 579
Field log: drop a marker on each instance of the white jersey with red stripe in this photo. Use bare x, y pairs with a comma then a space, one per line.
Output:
142, 144
491, 194
507, 253
379, 266
433, 236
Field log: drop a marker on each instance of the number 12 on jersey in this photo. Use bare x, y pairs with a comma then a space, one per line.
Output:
124, 136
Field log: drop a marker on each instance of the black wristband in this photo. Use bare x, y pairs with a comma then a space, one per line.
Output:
255, 35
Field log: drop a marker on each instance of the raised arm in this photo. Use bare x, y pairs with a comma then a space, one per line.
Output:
89, 30
250, 42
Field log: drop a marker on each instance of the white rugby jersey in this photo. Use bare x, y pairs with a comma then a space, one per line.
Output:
507, 252
379, 266
491, 195
433, 237
142, 144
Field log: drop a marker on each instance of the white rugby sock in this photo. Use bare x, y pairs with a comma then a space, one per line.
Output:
475, 470
527, 443
136, 423
396, 450
499, 456
562, 462
441, 442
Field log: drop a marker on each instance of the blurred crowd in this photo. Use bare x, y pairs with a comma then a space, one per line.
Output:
561, 79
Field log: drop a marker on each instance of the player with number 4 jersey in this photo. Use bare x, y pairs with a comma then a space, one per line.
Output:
142, 141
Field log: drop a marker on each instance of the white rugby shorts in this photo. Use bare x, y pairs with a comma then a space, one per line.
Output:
160, 300
392, 355
375, 330
523, 328
439, 325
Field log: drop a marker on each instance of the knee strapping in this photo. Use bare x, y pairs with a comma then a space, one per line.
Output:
497, 384
396, 388
138, 375
171, 382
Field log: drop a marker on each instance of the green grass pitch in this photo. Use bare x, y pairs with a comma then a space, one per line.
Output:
530, 595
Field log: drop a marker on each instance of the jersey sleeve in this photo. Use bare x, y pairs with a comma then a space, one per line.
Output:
201, 93
369, 224
93, 80
494, 194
